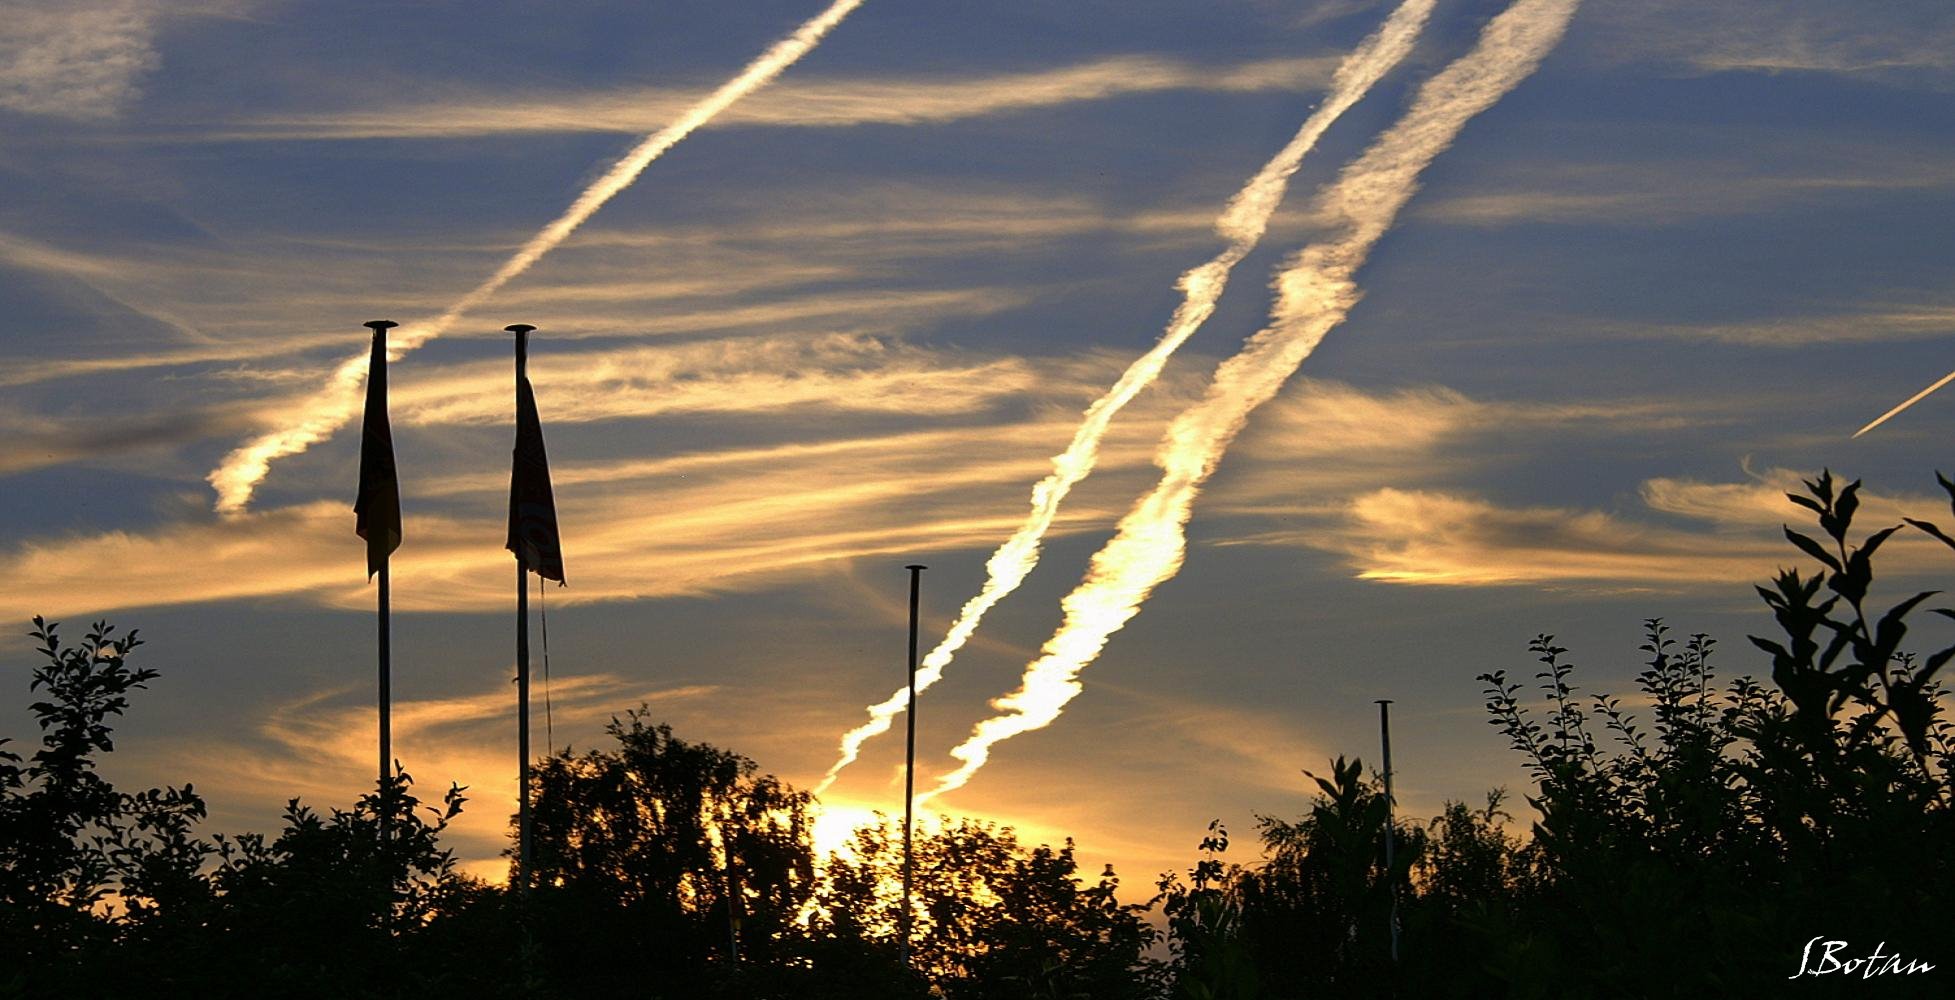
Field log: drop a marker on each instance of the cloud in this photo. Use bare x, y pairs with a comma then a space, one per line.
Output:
76, 59
1412, 536
803, 102
1798, 169
33, 443
834, 373
816, 264
1324, 441
739, 517
1760, 502
1896, 42
1435, 538
1878, 323
839, 373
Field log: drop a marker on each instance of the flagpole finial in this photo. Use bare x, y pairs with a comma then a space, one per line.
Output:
522, 332
378, 325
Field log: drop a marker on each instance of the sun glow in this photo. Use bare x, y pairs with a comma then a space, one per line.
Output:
835, 825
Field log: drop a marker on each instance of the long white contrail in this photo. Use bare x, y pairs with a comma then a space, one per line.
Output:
1314, 292
1242, 224
243, 469
1911, 400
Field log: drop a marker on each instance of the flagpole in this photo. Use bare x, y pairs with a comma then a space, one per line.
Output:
1385, 735
385, 629
909, 768
386, 708
522, 332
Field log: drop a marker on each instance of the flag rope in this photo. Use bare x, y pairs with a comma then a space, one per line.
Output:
543, 612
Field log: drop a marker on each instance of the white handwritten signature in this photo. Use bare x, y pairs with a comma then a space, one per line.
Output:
1830, 963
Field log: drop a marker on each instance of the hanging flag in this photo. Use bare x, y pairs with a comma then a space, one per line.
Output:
532, 509
377, 511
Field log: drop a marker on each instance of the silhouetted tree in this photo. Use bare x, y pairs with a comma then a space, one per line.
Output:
105, 893
1320, 910
329, 908
993, 919
72, 848
1210, 955
656, 860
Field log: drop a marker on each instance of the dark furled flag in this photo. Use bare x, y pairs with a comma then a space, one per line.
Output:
377, 511
532, 509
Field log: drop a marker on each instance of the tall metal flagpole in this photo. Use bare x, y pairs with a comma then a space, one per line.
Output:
386, 710
909, 769
386, 695
1385, 734
522, 332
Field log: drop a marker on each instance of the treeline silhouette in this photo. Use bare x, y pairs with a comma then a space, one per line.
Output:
1690, 853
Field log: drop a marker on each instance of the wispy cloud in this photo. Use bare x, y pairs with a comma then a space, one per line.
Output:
822, 261
1323, 442
815, 103
1436, 538
78, 59
718, 520
1411, 536
1797, 170
1895, 41
836, 373
1879, 323
39, 442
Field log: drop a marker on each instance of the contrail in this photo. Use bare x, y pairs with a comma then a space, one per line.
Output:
1911, 400
1242, 224
243, 469
1314, 292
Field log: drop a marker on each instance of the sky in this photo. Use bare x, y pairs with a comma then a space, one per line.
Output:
846, 324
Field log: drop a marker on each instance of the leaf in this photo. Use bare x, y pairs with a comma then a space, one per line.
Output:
1814, 549
1848, 502
1873, 541
1888, 633
1931, 529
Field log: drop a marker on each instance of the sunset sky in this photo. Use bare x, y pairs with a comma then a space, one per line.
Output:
846, 325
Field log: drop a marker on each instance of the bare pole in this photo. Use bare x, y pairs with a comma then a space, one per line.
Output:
909, 769
522, 332
386, 712
1385, 734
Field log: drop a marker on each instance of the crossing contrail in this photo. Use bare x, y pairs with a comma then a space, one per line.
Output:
244, 468
1242, 224
1315, 290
